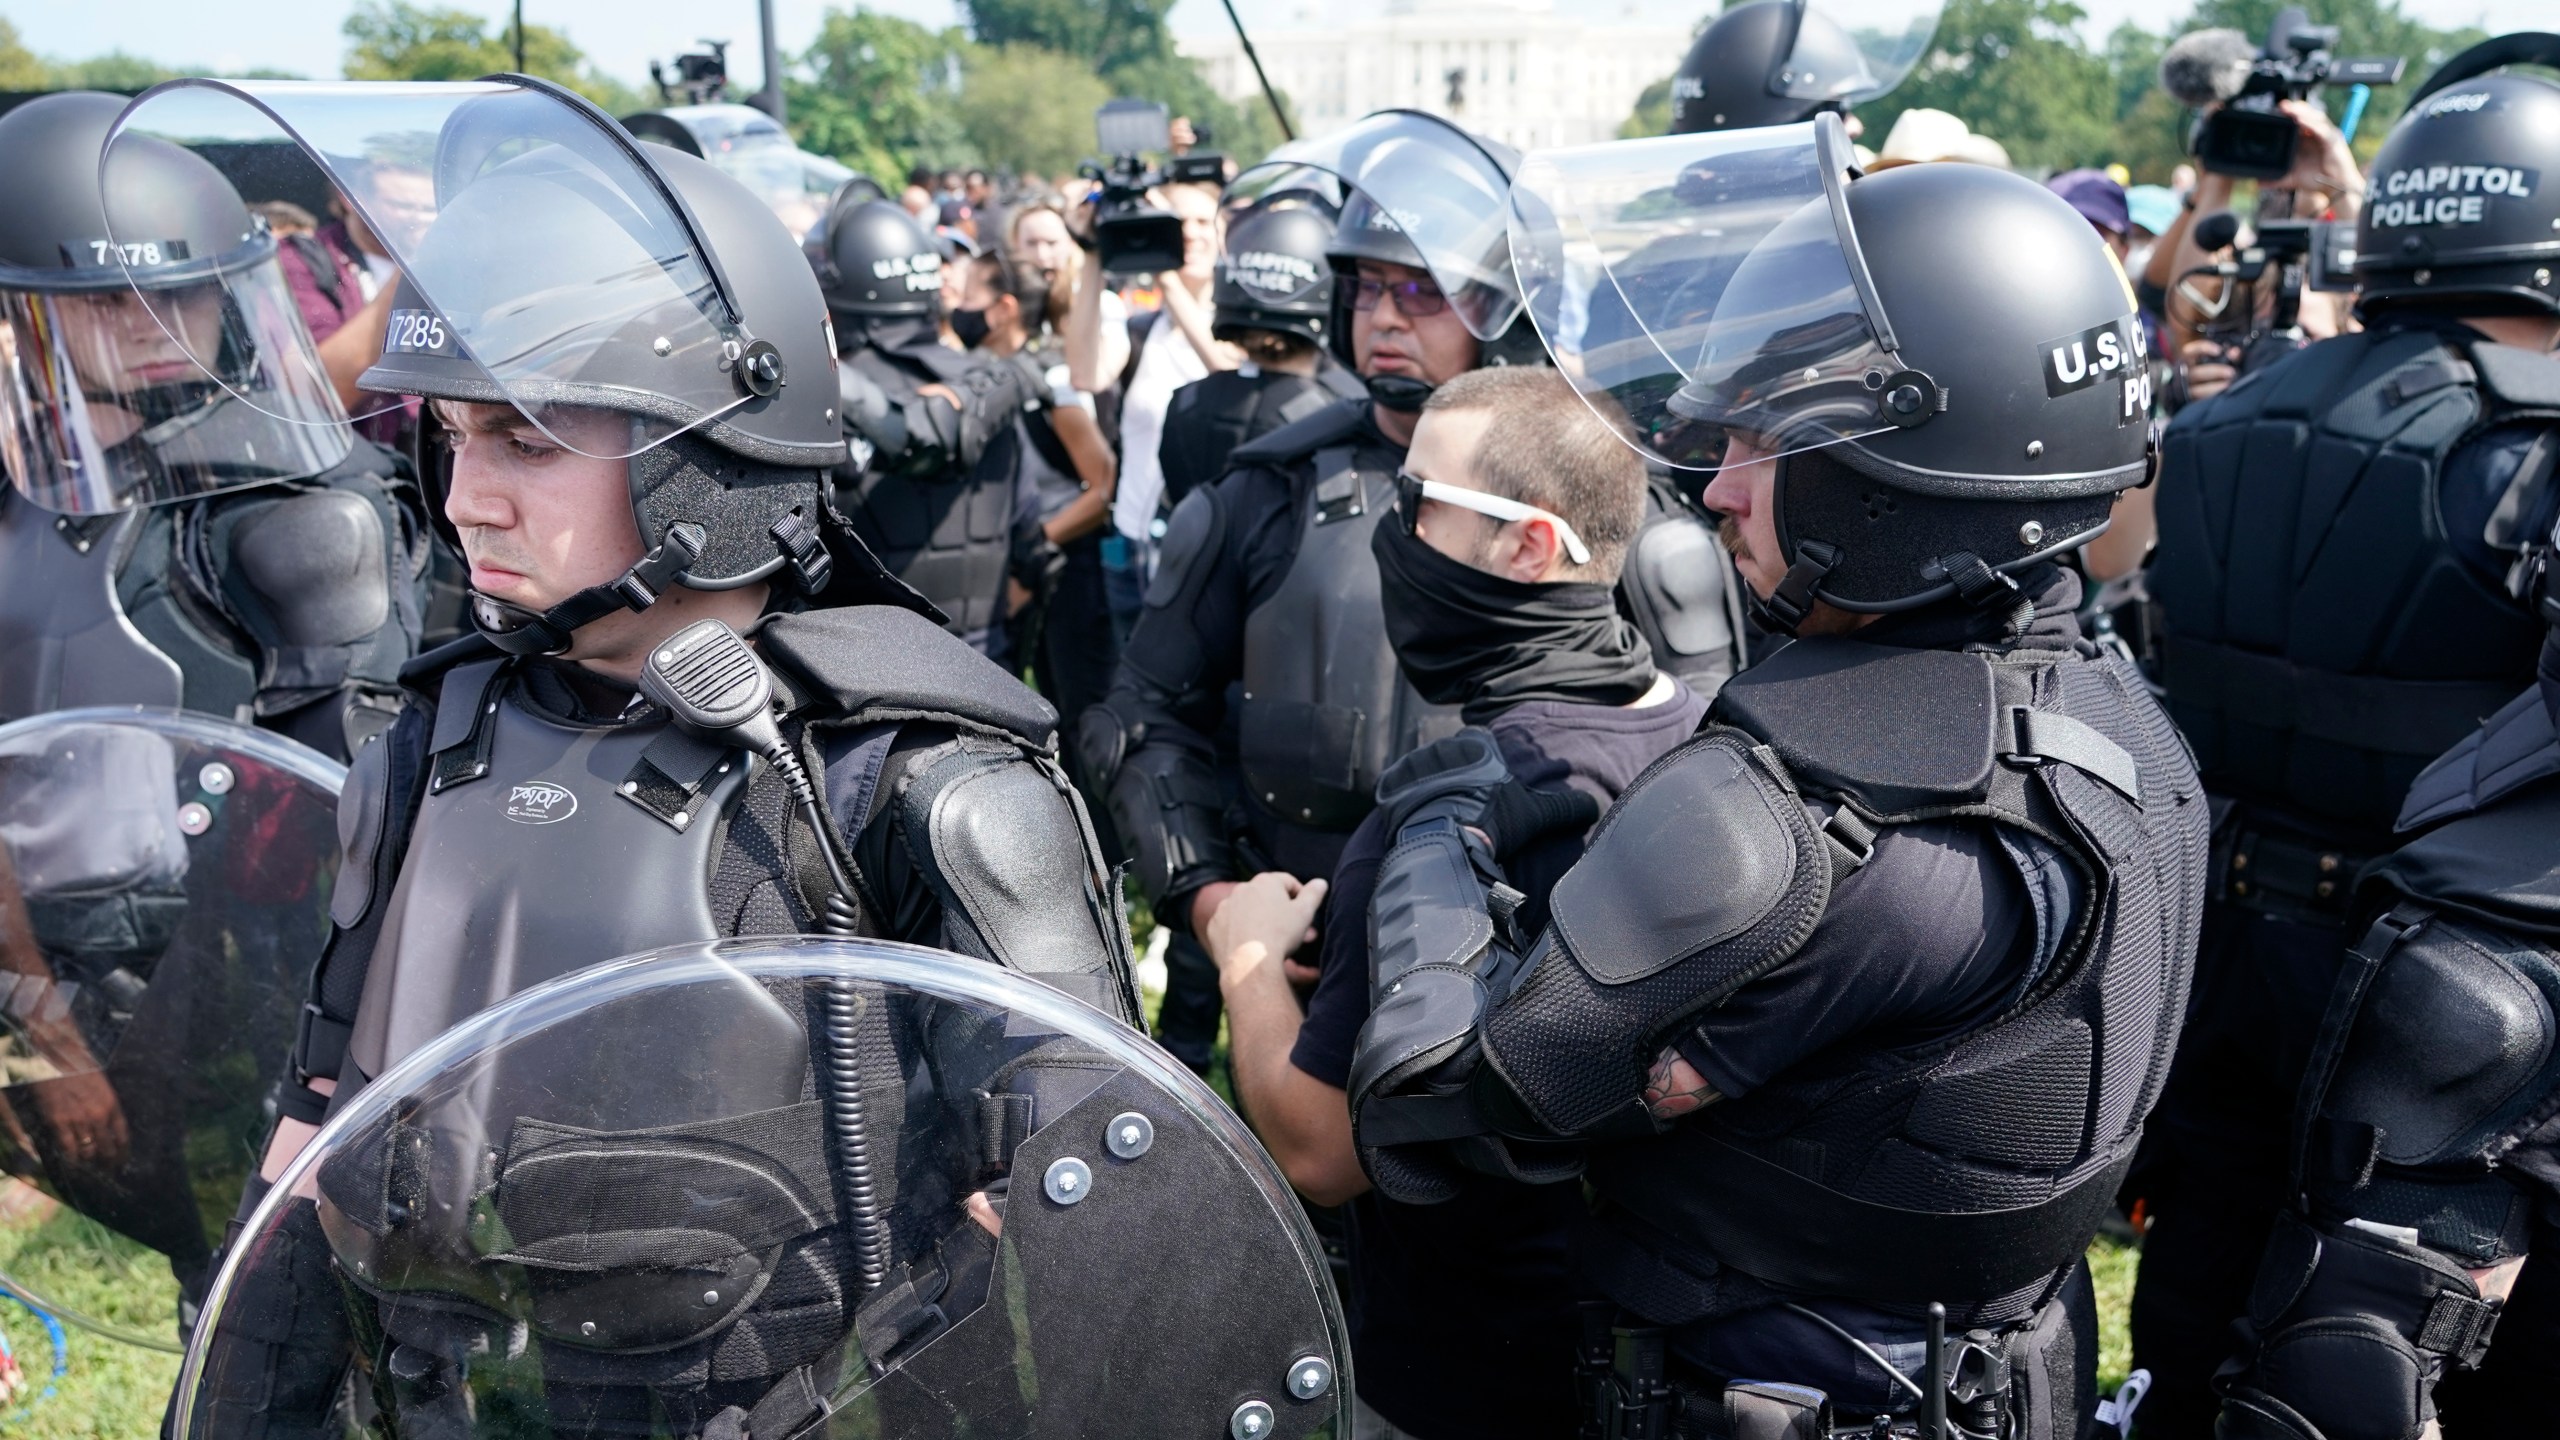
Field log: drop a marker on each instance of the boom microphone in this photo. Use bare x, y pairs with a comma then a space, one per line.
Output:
2216, 231
2207, 67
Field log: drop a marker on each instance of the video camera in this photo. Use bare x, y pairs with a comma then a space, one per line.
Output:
1135, 236
2247, 136
701, 78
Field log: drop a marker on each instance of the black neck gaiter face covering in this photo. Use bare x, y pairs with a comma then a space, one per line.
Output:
1485, 643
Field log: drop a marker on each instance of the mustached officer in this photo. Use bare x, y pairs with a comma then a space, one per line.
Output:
1267, 582
633, 363
1856, 1002
2335, 539
1273, 297
191, 523
923, 489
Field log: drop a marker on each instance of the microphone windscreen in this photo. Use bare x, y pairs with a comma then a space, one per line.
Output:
2216, 231
2207, 67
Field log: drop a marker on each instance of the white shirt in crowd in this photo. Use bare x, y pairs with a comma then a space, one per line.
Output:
1166, 364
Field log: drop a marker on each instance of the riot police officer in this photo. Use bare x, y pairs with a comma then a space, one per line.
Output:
634, 364
1779, 62
1267, 582
208, 536
921, 490
2421, 1156
1856, 1002
1273, 296
2335, 534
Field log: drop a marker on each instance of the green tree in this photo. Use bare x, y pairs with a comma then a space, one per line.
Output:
1028, 108
1652, 115
1106, 34
2014, 70
1127, 43
878, 92
2365, 27
20, 67
397, 40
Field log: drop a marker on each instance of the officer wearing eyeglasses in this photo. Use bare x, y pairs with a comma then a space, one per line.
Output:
1515, 511
1258, 700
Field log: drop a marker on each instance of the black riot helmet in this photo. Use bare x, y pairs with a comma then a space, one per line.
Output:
156, 351
873, 259
551, 263
1936, 421
1416, 191
2462, 213
1274, 274
1779, 62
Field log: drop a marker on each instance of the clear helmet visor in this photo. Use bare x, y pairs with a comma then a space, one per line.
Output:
1434, 184
164, 886
114, 398
951, 1200
1700, 290
1850, 51
550, 264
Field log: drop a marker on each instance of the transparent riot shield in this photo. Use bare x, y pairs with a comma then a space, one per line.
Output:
164, 892
777, 1188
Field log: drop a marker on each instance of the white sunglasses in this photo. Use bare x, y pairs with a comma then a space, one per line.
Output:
1412, 490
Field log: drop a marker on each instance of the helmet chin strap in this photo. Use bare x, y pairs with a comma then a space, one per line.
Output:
1785, 608
1400, 393
519, 631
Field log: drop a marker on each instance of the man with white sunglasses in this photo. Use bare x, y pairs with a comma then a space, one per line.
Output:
1515, 511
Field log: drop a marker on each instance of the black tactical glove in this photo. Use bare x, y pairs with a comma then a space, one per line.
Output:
1465, 779
1037, 561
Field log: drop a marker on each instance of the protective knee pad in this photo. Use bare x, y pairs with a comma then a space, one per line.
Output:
2351, 1333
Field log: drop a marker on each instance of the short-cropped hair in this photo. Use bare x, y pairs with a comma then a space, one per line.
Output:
1545, 447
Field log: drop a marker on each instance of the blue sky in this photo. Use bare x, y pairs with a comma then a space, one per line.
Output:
621, 36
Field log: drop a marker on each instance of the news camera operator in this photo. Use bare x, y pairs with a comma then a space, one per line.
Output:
2307, 172
1145, 222
2338, 531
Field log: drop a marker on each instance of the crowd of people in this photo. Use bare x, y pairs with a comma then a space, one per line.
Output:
1732, 741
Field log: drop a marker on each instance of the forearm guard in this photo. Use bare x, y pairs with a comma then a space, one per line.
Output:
1166, 803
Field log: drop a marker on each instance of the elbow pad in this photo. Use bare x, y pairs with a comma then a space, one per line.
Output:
869, 415
1165, 802
1001, 842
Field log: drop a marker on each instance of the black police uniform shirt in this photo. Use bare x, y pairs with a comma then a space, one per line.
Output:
1462, 1319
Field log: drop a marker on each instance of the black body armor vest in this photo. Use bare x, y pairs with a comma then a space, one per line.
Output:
2323, 640
1326, 708
247, 606
1970, 1170
948, 535
1207, 419
65, 640
532, 851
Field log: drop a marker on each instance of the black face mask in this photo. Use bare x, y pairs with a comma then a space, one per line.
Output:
1485, 643
969, 327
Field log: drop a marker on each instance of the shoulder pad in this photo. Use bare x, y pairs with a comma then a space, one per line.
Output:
1897, 731
2500, 864
881, 662
1705, 846
2524, 379
1295, 441
1193, 536
2511, 749
1339, 378
313, 570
